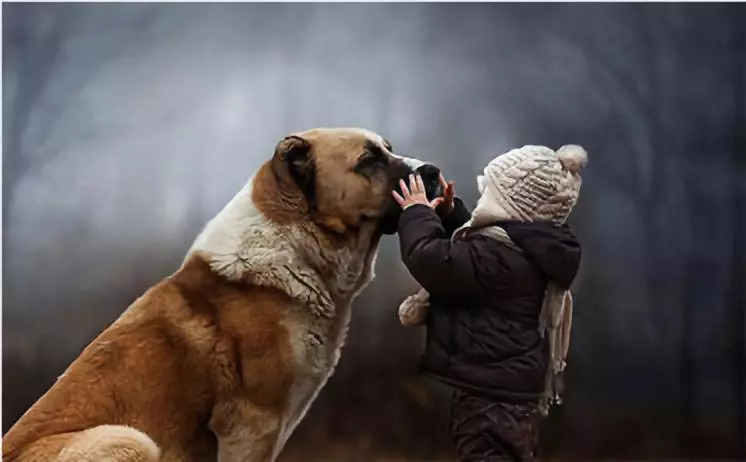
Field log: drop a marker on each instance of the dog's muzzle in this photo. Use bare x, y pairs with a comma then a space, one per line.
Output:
430, 177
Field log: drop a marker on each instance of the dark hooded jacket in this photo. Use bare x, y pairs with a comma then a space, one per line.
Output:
485, 299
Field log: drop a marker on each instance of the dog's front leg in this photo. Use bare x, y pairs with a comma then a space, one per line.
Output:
245, 432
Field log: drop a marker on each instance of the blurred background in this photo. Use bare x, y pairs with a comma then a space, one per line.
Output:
127, 126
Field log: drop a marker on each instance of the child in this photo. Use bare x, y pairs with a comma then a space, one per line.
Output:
493, 285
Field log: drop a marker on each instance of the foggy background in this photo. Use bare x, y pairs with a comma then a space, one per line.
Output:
127, 126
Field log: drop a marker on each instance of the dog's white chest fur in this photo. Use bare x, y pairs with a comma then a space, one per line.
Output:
316, 355
241, 244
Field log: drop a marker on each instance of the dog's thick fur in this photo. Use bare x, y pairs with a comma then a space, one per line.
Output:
222, 359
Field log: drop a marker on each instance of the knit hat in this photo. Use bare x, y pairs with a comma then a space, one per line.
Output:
532, 183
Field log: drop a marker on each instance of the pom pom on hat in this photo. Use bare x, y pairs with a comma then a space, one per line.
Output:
480, 183
573, 157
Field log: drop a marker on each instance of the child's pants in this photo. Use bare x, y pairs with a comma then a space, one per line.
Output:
483, 430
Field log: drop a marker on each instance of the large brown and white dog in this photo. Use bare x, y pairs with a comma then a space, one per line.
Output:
222, 359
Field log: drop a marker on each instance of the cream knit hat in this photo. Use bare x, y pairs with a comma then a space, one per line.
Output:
532, 183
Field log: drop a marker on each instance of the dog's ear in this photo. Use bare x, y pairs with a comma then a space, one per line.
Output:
292, 160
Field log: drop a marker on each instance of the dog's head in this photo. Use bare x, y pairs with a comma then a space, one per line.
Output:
346, 177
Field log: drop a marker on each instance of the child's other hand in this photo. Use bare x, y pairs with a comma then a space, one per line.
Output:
414, 194
447, 206
413, 310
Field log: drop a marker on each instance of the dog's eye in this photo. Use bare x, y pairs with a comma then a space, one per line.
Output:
371, 161
388, 146
373, 153
367, 155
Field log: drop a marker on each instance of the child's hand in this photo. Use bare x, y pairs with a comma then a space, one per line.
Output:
413, 310
414, 194
447, 206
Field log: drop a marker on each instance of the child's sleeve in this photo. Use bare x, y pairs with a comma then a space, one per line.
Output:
457, 218
439, 265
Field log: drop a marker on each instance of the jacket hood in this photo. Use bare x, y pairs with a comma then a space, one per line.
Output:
555, 249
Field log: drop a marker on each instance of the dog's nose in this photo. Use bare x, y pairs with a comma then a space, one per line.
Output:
428, 171
431, 178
